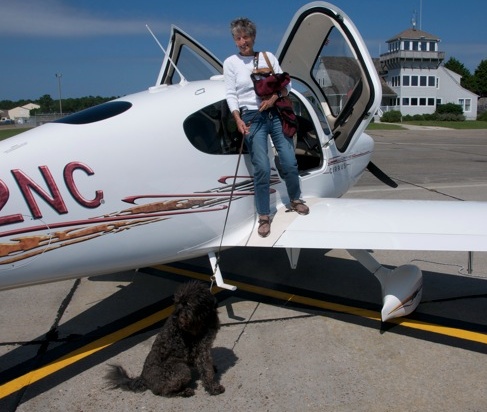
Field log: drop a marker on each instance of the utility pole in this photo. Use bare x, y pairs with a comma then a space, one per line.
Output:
59, 75
420, 14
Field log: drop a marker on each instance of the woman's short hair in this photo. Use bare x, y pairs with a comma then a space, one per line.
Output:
243, 24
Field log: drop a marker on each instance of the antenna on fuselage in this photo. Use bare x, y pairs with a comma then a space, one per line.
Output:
183, 79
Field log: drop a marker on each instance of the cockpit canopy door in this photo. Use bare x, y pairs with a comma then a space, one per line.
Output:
193, 60
323, 51
324, 54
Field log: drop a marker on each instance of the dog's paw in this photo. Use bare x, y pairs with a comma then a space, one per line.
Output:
186, 393
216, 389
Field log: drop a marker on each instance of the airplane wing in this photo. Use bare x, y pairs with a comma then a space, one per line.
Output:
359, 225
380, 224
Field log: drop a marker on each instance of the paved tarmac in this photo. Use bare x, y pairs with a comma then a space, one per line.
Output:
308, 339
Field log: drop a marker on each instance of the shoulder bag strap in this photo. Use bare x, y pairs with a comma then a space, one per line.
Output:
268, 62
256, 61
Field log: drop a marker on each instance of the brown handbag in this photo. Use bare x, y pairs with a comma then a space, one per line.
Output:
267, 82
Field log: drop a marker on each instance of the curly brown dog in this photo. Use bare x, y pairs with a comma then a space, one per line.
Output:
184, 342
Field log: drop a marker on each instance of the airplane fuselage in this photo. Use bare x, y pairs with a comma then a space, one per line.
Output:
127, 190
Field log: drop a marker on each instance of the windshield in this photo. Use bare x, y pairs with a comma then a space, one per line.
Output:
193, 61
336, 71
192, 66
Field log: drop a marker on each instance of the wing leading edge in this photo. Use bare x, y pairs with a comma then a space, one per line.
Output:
381, 224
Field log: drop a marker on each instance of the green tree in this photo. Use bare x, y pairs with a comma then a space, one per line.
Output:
457, 67
7, 104
47, 104
481, 79
467, 81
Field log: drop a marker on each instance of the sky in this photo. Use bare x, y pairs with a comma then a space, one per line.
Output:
103, 47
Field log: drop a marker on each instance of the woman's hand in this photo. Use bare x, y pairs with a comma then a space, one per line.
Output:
242, 127
268, 102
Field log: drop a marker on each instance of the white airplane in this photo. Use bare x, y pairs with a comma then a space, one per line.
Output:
156, 176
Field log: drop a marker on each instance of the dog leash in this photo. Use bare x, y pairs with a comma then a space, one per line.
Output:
217, 263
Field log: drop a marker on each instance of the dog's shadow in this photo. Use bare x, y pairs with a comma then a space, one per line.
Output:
223, 359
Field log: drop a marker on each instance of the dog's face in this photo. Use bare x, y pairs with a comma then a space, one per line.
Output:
194, 307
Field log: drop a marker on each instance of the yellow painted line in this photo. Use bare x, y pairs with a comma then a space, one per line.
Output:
106, 341
442, 330
288, 297
83, 352
364, 313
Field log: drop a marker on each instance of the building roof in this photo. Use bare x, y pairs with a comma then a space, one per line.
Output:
413, 34
386, 90
31, 106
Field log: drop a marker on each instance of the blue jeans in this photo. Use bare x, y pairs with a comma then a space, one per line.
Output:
261, 125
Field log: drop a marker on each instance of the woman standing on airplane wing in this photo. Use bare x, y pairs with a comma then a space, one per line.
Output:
256, 118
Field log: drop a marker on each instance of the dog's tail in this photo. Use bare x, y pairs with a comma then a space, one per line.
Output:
118, 378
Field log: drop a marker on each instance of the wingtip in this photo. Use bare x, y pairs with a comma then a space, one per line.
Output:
402, 292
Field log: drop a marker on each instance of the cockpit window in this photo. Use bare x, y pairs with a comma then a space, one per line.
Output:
192, 66
97, 113
213, 130
337, 71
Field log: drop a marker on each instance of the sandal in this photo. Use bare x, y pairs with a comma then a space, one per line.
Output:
300, 207
264, 226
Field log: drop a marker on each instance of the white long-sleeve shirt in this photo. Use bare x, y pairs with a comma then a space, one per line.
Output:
239, 86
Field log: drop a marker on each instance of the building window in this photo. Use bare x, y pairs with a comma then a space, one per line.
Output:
422, 81
414, 80
415, 45
405, 101
422, 101
431, 101
414, 101
406, 45
405, 80
466, 104
431, 81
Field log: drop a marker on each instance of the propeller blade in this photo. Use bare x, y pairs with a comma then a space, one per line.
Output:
379, 174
